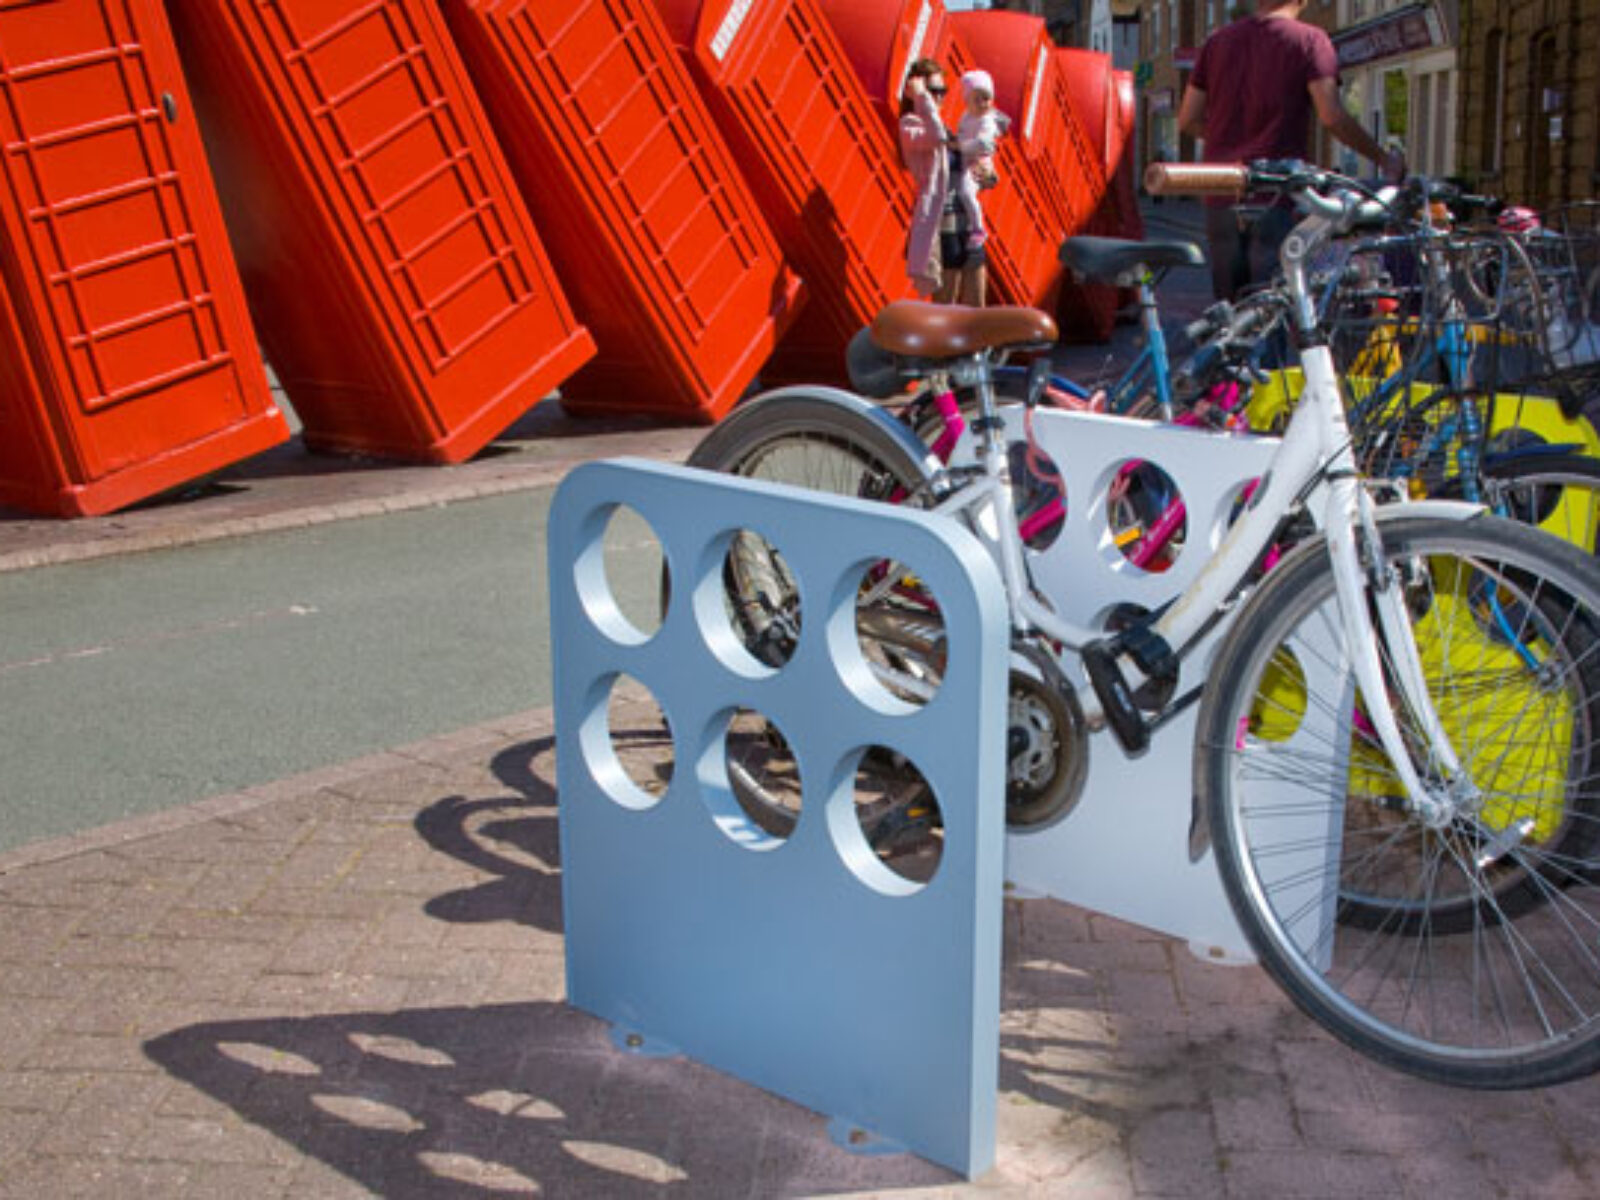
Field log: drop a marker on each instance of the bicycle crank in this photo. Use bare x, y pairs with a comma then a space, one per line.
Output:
1047, 742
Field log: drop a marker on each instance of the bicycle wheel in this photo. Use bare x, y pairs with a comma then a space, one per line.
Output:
1559, 493
1463, 948
818, 443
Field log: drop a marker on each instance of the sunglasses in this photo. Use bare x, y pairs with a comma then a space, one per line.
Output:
937, 91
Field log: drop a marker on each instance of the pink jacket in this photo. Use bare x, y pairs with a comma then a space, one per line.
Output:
922, 149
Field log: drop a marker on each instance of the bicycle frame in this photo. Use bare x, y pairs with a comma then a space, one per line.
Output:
1449, 348
1313, 456
1151, 368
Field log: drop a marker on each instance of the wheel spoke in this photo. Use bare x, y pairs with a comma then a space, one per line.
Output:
1465, 947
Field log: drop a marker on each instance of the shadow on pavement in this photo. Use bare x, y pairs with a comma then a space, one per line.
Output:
514, 838
512, 1098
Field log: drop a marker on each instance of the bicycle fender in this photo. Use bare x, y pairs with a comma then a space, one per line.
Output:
761, 409
1439, 510
1445, 510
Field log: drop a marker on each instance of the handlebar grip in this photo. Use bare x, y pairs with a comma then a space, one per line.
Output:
1194, 179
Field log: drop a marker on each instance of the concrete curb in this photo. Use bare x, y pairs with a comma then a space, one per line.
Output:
136, 541
290, 489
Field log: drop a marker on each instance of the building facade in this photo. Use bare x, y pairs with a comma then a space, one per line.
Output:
1398, 71
1504, 94
1530, 103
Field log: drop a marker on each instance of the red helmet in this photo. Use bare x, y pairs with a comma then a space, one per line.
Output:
1516, 219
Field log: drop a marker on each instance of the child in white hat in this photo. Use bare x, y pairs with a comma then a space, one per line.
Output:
979, 131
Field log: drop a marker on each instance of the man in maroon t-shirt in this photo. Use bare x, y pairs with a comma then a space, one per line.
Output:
1255, 84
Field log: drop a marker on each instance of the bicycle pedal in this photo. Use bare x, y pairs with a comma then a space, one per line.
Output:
1116, 697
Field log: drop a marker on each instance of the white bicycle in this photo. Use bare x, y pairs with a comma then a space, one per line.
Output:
1397, 741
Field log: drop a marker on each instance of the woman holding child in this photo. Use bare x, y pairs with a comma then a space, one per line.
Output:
943, 264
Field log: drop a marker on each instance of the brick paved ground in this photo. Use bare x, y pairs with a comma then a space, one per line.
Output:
350, 983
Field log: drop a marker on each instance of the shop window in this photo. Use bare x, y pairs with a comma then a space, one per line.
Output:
1396, 108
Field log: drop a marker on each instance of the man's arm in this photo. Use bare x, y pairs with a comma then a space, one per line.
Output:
1336, 119
1192, 112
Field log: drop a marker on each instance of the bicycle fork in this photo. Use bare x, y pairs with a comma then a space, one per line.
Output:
1364, 584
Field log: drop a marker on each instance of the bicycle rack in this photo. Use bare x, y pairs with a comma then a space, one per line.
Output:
1123, 850
803, 966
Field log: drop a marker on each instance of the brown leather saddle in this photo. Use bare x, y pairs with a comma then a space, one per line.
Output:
921, 329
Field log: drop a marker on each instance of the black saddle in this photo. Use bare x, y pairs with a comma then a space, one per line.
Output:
1118, 260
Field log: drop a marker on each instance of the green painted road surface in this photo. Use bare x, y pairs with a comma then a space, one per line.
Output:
133, 684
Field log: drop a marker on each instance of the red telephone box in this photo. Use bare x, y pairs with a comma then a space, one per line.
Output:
882, 38
404, 300
127, 363
1015, 49
1123, 190
785, 95
650, 222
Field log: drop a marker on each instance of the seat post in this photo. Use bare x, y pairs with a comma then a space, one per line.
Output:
1155, 340
986, 428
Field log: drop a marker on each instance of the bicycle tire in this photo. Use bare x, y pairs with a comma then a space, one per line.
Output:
1559, 493
1291, 787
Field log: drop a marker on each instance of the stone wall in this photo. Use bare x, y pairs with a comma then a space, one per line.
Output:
1550, 127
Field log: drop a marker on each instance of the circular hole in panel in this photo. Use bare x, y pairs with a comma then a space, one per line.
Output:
896, 657
753, 784
622, 577
628, 745
636, 570
1039, 493
749, 605
886, 822
1237, 501
1145, 515
1234, 505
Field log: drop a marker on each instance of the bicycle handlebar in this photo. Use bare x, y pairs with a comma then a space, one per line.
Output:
1315, 190
1194, 179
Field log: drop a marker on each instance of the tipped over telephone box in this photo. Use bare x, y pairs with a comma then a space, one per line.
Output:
828, 178
1017, 51
127, 363
651, 224
881, 39
404, 299
1088, 310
